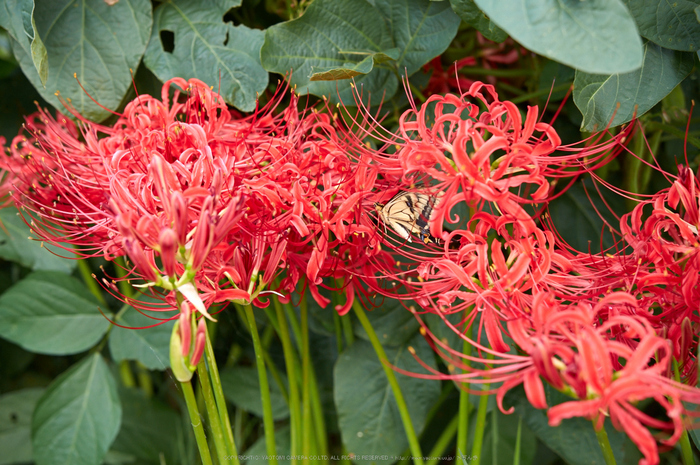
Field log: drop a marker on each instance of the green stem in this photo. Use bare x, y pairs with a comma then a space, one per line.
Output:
126, 375
516, 452
264, 387
686, 448
443, 441
197, 425
464, 408
347, 330
124, 286
220, 399
290, 360
479, 428
306, 388
308, 384
604, 443
212, 411
401, 403
90, 282
145, 381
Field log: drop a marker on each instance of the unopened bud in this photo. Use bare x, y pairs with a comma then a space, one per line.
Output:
138, 257
186, 328
199, 343
178, 363
167, 241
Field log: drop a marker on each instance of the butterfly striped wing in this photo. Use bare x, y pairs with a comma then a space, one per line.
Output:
410, 213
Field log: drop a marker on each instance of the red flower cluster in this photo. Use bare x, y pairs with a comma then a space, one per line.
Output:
220, 207
201, 200
604, 329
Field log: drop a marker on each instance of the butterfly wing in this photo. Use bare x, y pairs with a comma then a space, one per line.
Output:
409, 213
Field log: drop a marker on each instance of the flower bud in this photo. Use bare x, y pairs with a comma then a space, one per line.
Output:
178, 363
186, 328
167, 240
199, 343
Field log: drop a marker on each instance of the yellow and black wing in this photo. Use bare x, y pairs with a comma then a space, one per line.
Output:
409, 213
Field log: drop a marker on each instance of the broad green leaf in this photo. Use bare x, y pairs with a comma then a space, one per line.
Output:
149, 430
420, 29
224, 56
51, 313
17, 16
392, 322
242, 387
94, 42
331, 35
368, 417
78, 417
16, 246
598, 96
671, 25
15, 425
257, 452
596, 36
574, 439
149, 346
472, 15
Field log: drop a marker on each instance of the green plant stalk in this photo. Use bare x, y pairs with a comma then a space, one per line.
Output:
604, 444
496, 72
126, 375
347, 329
124, 286
268, 421
479, 428
516, 452
220, 399
212, 411
319, 421
686, 448
464, 408
290, 360
306, 388
197, 425
494, 436
313, 394
145, 380
90, 282
400, 401
443, 441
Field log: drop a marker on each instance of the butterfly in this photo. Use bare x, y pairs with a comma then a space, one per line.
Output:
410, 213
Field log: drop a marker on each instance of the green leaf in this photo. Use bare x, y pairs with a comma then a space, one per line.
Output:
574, 439
327, 36
16, 246
671, 25
51, 313
17, 16
78, 417
368, 417
224, 56
15, 425
149, 346
346, 71
598, 96
149, 430
420, 29
472, 15
392, 322
242, 387
579, 222
596, 36
95, 42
